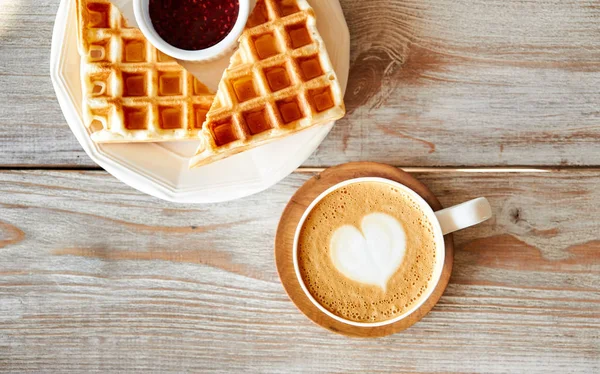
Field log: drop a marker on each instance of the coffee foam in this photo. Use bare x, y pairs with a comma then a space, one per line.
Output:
372, 254
355, 298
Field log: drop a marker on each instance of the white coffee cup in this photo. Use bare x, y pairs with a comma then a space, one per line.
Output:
444, 222
137, 14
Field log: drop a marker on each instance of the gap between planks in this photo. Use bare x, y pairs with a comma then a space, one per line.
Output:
318, 169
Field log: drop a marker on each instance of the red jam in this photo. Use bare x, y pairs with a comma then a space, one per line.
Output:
193, 24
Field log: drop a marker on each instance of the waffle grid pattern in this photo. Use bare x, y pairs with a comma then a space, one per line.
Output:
132, 91
280, 81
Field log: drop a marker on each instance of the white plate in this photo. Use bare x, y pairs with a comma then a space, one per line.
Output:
161, 169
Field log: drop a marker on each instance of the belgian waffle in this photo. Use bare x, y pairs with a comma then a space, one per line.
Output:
279, 81
131, 91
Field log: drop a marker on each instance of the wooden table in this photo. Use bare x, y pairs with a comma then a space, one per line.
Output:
496, 98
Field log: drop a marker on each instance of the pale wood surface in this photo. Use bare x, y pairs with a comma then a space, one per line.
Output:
433, 83
286, 230
95, 276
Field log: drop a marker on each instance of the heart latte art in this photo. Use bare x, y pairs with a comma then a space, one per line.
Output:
366, 252
372, 254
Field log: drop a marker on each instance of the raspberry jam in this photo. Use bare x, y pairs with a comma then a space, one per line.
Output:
193, 24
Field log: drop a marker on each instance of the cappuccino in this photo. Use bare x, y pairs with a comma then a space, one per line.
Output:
367, 252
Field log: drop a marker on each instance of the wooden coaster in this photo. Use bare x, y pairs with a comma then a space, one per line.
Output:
285, 238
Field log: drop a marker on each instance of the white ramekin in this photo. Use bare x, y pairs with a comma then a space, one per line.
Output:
142, 17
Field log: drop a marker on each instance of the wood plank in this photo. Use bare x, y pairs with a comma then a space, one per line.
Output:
433, 83
96, 277
33, 130
447, 83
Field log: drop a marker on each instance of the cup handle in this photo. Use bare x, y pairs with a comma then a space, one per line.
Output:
464, 215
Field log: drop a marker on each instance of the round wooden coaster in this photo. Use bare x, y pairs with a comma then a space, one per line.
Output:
285, 238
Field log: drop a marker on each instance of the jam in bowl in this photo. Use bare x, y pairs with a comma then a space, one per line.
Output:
192, 30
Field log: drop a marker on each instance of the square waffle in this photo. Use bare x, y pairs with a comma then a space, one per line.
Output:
131, 91
279, 81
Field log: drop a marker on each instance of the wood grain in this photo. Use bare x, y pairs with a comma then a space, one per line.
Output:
97, 277
432, 83
286, 230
